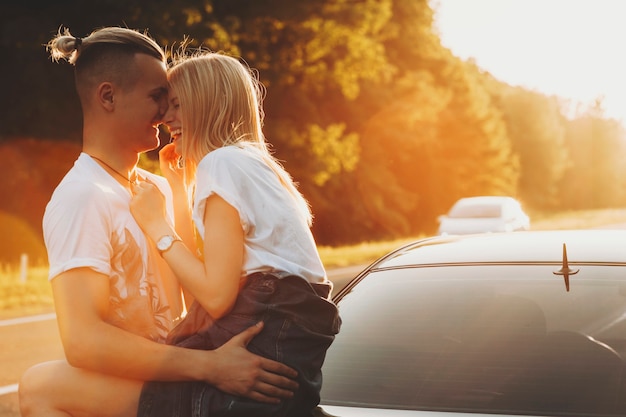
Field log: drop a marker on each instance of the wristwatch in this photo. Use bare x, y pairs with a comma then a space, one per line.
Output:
165, 243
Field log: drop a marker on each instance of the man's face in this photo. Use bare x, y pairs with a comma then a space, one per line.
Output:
141, 109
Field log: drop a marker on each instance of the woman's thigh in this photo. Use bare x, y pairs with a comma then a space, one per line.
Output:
57, 386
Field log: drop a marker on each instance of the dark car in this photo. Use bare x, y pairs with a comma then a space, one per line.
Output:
527, 323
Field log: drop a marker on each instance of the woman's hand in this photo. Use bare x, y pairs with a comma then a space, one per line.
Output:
168, 162
148, 208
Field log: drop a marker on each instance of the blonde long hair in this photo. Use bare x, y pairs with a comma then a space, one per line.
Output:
221, 102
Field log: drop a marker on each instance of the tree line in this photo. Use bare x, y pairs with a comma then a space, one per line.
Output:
382, 126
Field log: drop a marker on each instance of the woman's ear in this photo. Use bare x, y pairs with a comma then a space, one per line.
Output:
105, 94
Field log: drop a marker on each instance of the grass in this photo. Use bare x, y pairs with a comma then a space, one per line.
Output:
582, 219
364, 253
33, 295
24, 295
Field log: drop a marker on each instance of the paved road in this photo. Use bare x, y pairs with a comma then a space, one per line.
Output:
23, 344
28, 341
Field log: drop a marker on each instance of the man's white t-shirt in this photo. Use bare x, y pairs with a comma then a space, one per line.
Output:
88, 224
276, 235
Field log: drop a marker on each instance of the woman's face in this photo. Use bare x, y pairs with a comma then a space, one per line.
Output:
173, 121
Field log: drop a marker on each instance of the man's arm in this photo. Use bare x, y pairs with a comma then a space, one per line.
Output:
82, 301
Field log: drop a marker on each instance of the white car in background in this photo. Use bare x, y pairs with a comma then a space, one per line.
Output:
484, 214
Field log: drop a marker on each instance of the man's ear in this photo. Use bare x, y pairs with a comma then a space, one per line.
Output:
106, 92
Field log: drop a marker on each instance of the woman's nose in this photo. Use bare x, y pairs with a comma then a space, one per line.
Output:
166, 113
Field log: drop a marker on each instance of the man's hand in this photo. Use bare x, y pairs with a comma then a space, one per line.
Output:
248, 375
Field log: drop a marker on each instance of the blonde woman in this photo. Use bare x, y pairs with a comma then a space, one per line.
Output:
258, 261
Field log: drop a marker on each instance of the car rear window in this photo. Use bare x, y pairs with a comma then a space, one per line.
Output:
490, 339
476, 211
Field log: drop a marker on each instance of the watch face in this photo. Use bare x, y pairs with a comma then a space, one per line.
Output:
164, 242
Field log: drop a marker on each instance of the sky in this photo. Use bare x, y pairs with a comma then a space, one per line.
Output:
575, 49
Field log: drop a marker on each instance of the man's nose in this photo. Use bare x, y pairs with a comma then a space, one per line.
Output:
163, 108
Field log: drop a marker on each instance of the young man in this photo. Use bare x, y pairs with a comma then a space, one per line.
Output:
115, 298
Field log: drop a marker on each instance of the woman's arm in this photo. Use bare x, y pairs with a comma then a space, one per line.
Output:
168, 163
215, 282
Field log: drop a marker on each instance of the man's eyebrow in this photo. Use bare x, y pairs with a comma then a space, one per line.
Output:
161, 90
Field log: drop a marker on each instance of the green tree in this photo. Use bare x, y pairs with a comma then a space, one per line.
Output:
596, 175
535, 125
474, 154
314, 56
428, 136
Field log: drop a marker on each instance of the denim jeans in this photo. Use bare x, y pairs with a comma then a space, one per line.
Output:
300, 323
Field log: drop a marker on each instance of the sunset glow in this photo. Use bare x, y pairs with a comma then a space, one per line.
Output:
575, 49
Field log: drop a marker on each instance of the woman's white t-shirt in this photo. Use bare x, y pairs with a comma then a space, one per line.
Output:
276, 235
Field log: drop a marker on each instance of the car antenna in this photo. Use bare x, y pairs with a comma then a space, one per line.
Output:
565, 269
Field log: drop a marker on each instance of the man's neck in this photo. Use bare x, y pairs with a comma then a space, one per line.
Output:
119, 164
